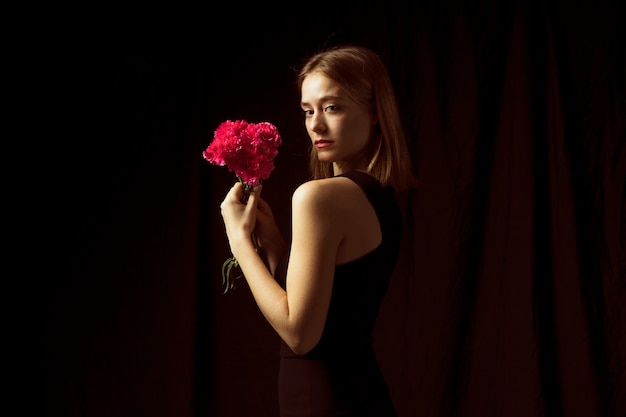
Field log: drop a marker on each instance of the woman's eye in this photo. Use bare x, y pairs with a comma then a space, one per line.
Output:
307, 112
331, 108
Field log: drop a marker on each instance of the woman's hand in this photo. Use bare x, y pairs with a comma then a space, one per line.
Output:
243, 219
239, 218
268, 237
266, 230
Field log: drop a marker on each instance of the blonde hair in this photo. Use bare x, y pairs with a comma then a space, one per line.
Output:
364, 78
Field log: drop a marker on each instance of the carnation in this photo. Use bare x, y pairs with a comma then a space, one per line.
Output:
247, 149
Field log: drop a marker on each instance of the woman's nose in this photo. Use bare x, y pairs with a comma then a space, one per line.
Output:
316, 122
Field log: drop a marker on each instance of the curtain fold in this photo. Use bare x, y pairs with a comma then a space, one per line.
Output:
516, 261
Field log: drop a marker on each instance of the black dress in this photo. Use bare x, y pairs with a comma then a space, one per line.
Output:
340, 376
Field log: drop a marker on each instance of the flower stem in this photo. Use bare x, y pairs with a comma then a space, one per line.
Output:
247, 188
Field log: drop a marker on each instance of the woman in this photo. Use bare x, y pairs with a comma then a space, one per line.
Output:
346, 228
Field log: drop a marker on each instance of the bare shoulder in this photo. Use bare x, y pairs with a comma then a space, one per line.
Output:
326, 193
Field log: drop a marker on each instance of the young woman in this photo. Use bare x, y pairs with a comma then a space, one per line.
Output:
346, 228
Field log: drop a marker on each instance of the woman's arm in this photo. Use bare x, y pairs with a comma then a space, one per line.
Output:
299, 313
269, 239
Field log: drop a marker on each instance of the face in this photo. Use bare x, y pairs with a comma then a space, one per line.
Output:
338, 127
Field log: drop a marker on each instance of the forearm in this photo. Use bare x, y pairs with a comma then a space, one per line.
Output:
268, 294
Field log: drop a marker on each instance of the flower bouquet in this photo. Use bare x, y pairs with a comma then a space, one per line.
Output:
248, 150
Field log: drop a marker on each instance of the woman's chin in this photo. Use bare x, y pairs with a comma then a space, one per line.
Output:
325, 158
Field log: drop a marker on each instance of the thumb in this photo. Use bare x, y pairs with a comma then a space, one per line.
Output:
253, 198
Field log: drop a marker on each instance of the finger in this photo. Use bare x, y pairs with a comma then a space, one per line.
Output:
256, 190
237, 187
235, 192
264, 208
232, 196
253, 199
262, 205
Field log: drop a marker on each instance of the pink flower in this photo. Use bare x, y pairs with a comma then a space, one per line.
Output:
247, 149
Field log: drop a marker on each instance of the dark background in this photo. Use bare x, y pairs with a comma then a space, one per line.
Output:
508, 299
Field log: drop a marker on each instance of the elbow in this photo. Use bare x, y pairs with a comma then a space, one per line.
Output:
302, 335
300, 349
302, 345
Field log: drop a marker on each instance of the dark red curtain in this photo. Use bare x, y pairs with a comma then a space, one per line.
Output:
509, 297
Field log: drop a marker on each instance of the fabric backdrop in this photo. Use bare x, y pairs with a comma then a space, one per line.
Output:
509, 298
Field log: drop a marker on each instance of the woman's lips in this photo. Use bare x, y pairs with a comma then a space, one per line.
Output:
323, 143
